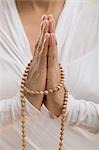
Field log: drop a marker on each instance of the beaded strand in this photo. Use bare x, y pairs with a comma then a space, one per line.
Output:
46, 92
23, 107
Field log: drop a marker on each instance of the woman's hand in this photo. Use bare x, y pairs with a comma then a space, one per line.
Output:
37, 75
45, 72
53, 101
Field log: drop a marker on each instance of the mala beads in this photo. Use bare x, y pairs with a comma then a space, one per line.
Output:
63, 117
46, 92
23, 106
23, 89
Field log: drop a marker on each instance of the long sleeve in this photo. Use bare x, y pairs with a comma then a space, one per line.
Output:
10, 111
83, 114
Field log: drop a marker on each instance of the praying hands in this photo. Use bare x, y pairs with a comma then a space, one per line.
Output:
45, 71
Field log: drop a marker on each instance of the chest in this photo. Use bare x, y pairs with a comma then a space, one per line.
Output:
81, 77
31, 26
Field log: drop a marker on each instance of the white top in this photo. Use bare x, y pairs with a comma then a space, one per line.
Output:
78, 37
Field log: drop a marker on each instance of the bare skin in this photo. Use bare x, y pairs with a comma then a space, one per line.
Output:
45, 66
31, 12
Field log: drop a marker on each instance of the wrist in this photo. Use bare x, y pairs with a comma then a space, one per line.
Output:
35, 100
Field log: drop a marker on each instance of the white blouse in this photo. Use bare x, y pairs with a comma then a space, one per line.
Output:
77, 33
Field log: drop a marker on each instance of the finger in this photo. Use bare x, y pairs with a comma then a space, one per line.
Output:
43, 30
46, 26
52, 52
51, 26
38, 40
40, 62
50, 17
42, 26
44, 50
41, 58
46, 23
53, 63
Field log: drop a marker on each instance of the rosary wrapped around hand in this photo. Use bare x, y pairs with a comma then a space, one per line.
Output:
24, 89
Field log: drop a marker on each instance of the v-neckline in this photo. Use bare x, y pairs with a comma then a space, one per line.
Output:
23, 33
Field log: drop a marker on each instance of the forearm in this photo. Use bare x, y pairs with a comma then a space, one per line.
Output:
83, 114
10, 111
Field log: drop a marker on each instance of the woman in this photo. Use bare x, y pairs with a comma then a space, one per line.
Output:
77, 34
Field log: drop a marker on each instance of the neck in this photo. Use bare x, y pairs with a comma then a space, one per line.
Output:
44, 6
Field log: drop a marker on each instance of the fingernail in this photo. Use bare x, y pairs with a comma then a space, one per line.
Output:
50, 17
44, 17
